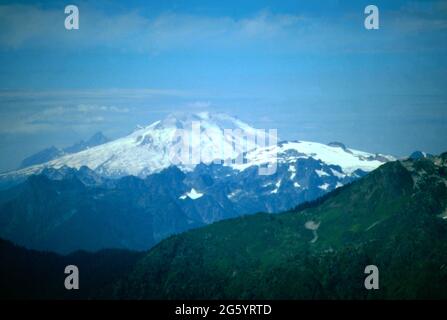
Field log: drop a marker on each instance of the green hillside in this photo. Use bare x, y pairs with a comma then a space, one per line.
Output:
30, 274
392, 218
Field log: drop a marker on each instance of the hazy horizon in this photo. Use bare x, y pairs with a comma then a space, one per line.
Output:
310, 70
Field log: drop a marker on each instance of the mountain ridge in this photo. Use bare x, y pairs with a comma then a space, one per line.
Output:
391, 218
52, 152
394, 218
155, 147
40, 211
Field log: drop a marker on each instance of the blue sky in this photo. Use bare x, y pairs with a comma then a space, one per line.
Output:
308, 68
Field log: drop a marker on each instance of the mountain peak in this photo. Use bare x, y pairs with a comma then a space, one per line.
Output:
184, 120
419, 155
98, 138
337, 144
204, 140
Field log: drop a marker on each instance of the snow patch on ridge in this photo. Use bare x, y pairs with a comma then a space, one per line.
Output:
193, 194
292, 169
324, 186
349, 160
321, 173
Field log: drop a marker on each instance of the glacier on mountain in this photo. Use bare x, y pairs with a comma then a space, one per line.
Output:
150, 149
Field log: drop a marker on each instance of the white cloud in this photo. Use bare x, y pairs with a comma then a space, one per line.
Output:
26, 25
199, 105
23, 26
32, 111
59, 117
20, 24
88, 108
91, 93
32, 26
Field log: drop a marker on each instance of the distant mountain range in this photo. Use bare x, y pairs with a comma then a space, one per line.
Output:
394, 218
67, 209
420, 154
148, 150
126, 194
52, 152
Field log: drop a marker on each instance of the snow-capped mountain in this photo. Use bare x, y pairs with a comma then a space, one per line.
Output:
153, 148
128, 191
52, 152
420, 155
337, 154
